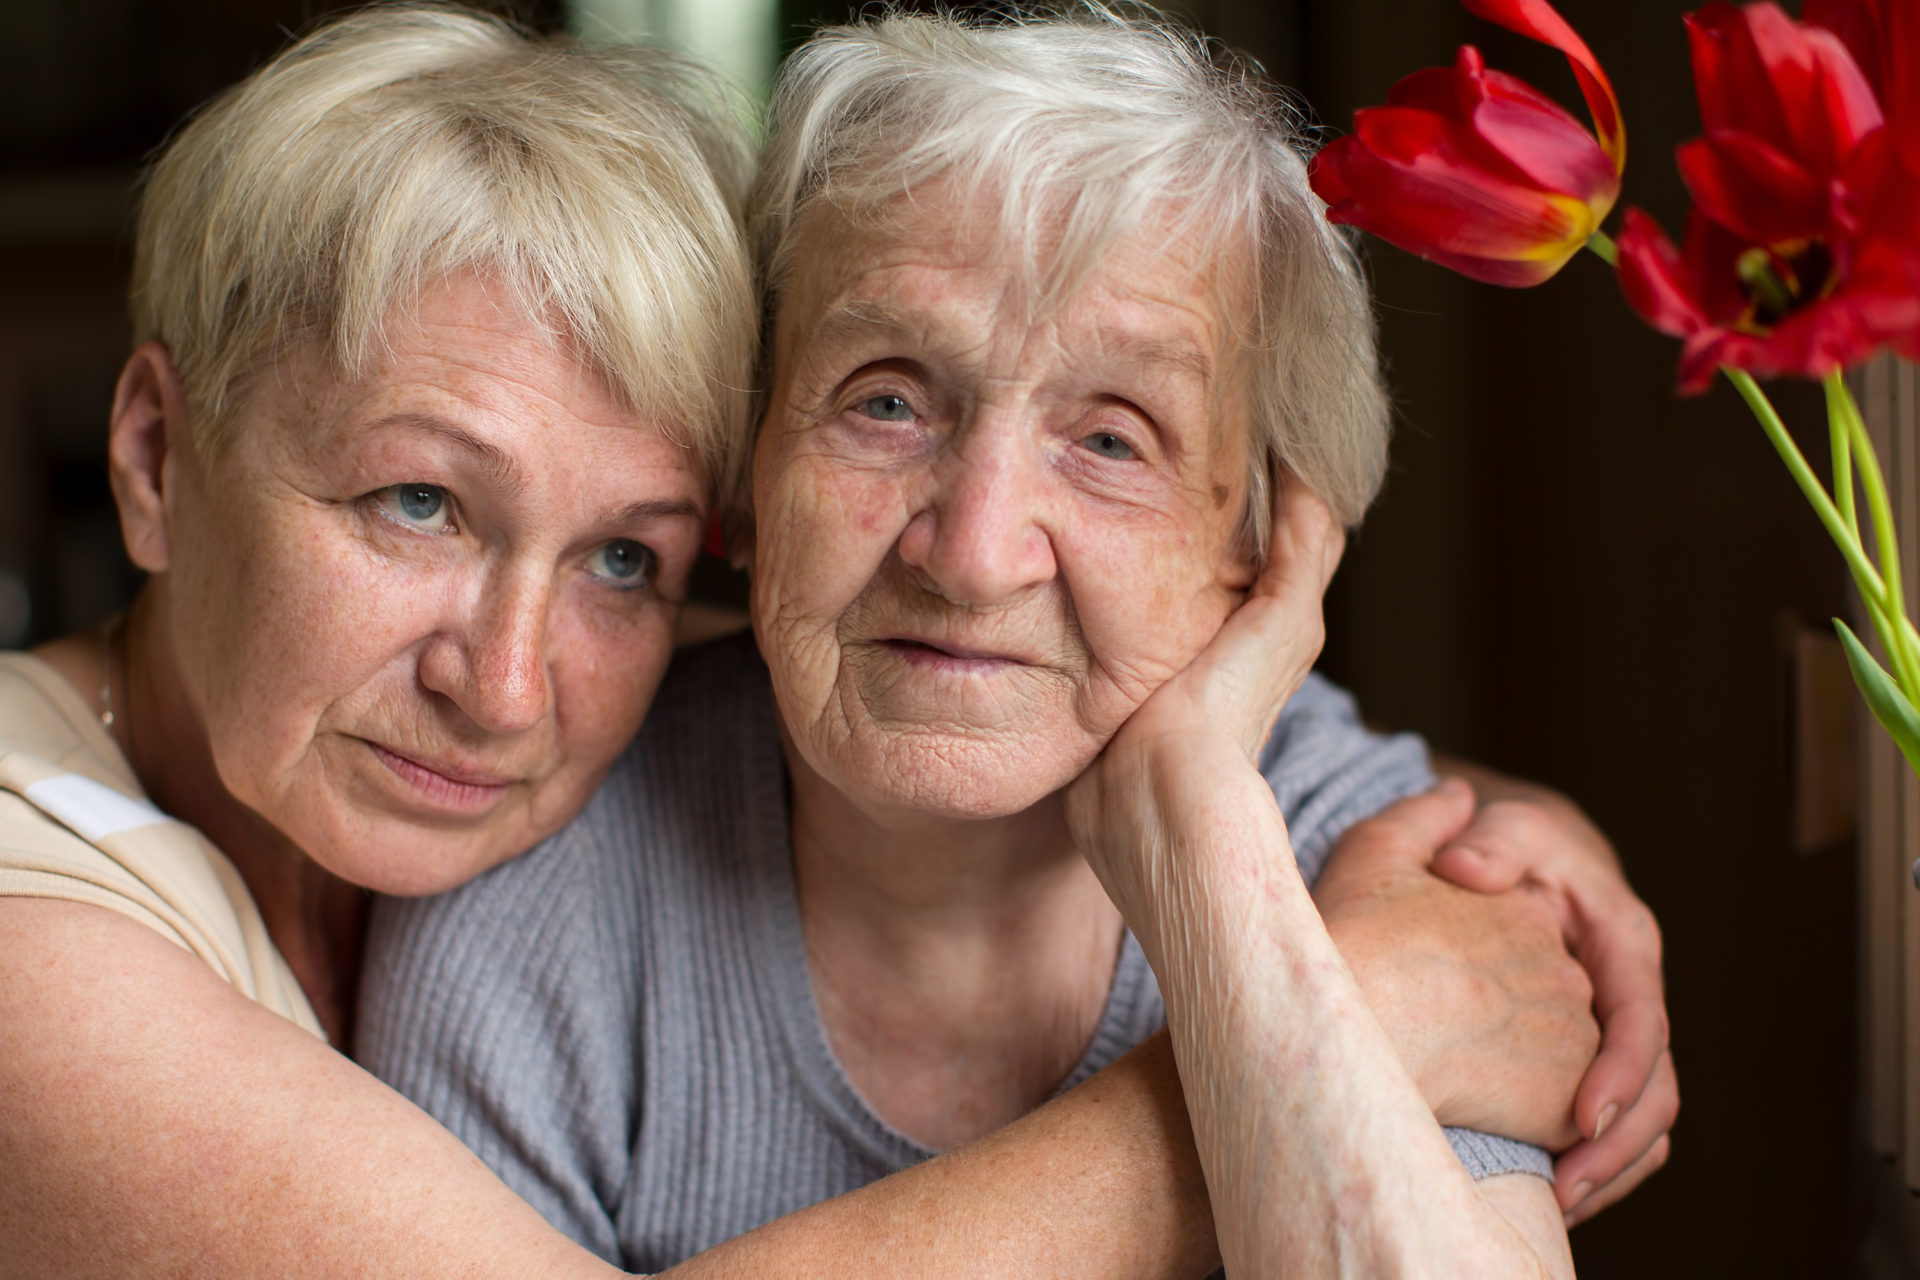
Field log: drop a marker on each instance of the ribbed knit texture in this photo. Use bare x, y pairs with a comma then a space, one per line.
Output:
621, 1022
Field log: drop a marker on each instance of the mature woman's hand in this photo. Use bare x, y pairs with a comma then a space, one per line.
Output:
1534, 841
1485, 1005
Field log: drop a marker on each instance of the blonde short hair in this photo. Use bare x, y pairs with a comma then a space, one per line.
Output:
399, 145
1088, 125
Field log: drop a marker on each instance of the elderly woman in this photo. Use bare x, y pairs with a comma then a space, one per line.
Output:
442, 332
1055, 326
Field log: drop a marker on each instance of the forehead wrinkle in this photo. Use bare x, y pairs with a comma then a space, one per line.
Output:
499, 466
855, 318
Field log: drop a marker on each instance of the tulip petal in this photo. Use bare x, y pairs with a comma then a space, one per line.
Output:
1538, 20
1508, 273
1432, 205
1884, 39
1514, 128
1849, 108
1857, 23
1826, 103
1730, 79
1550, 149
1655, 279
1712, 254
1749, 188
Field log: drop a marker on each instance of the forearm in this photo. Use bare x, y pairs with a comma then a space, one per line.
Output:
1320, 1153
256, 1150
155, 1122
1101, 1182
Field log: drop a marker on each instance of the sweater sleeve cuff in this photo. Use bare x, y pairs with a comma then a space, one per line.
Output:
1487, 1156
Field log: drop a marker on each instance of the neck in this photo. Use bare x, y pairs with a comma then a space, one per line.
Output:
961, 966
315, 919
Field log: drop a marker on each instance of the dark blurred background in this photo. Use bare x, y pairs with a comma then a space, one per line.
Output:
1573, 575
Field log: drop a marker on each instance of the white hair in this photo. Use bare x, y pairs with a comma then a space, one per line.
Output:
400, 145
1089, 125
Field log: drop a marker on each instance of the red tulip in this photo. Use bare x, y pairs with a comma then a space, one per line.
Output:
1478, 171
1802, 253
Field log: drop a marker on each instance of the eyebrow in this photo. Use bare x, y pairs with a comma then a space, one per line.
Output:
505, 472
1160, 351
656, 509
869, 315
858, 317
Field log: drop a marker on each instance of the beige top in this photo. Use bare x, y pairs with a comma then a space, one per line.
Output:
76, 826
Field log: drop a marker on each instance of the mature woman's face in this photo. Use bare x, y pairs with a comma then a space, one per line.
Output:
982, 541
420, 612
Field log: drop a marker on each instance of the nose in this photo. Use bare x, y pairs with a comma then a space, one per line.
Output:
984, 535
492, 662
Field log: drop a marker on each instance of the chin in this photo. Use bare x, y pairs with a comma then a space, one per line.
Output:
972, 782
432, 861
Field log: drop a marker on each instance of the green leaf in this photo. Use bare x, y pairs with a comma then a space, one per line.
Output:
1888, 704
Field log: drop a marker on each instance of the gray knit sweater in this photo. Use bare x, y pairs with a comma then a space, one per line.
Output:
621, 1022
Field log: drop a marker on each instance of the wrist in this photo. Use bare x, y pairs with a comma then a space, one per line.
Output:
1184, 831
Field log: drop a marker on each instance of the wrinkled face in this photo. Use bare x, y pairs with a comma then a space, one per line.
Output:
982, 541
421, 611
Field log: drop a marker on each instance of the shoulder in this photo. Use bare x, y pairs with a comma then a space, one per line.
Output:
75, 827
710, 693
41, 714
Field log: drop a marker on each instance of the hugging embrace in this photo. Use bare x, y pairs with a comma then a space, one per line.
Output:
1012, 900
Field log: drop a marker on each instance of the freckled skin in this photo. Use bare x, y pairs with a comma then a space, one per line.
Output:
312, 624
989, 517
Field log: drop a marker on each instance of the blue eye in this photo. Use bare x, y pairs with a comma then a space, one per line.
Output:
422, 506
622, 562
887, 408
1108, 445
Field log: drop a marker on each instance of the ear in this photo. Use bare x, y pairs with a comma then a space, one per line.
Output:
1240, 560
1240, 564
145, 437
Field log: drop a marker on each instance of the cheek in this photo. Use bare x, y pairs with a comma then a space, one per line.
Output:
823, 531
296, 627
1148, 598
605, 673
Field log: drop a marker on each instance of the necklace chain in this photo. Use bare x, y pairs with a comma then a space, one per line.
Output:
106, 670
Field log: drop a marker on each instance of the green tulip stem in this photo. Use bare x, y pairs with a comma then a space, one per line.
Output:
1841, 439
1602, 245
1863, 571
1885, 606
1904, 645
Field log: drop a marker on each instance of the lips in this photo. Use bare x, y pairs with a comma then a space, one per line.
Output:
945, 649
445, 784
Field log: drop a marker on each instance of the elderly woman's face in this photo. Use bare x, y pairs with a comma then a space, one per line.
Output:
982, 542
420, 612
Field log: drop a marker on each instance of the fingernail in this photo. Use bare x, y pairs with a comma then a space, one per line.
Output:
1607, 1113
1453, 786
1580, 1190
1476, 854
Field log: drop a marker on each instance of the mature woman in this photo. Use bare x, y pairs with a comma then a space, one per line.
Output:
1055, 326
441, 331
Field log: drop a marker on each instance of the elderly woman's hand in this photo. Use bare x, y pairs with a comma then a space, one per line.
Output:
1216, 713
